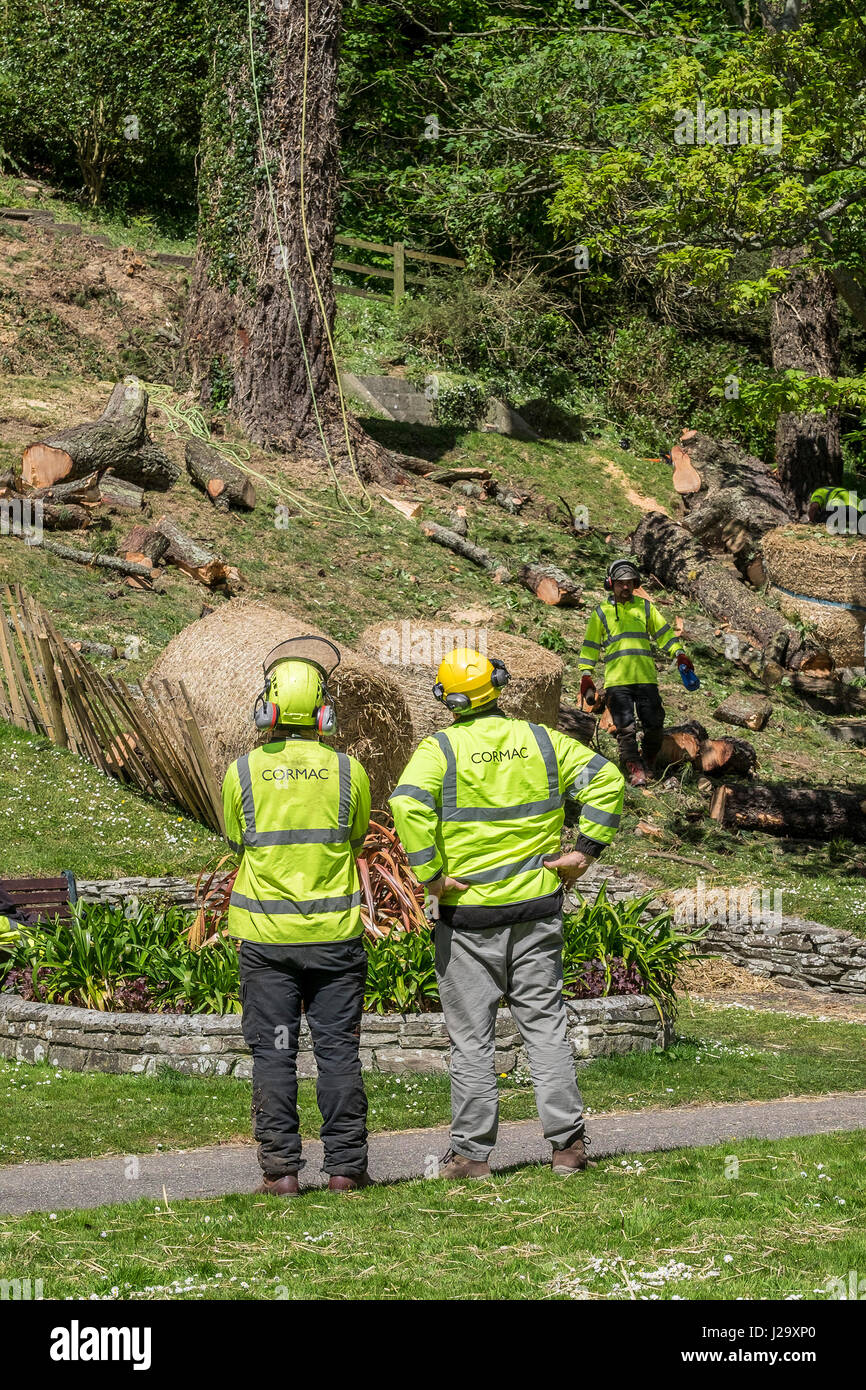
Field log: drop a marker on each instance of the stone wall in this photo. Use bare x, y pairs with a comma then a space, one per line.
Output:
212, 1044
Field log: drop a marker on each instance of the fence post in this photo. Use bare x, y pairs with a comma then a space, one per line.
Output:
399, 249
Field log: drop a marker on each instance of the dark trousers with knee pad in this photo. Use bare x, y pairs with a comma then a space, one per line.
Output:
630, 704
326, 981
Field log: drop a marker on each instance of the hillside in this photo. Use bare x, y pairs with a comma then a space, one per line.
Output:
76, 314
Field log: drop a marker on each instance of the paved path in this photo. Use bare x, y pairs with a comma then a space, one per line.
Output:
227, 1168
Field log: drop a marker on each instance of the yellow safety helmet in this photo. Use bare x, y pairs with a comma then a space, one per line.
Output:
295, 691
467, 680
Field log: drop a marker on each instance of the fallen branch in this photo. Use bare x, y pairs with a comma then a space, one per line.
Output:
467, 549
196, 560
90, 557
553, 586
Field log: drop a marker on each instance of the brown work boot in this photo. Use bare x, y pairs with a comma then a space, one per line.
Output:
458, 1167
339, 1182
636, 774
284, 1186
570, 1160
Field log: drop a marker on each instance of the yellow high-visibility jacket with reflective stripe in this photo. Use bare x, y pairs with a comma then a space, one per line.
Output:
622, 634
297, 812
483, 802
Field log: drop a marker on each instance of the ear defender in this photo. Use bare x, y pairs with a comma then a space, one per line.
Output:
266, 713
326, 719
501, 675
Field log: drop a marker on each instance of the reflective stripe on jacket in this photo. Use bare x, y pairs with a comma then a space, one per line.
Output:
297, 812
622, 634
483, 801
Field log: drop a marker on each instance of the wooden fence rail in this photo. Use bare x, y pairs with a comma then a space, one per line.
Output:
150, 739
399, 253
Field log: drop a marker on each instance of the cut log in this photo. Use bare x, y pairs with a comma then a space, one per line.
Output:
806, 813
686, 477
577, 723
119, 495
666, 550
144, 543
65, 517
467, 549
848, 731
550, 584
222, 481
118, 440
727, 756
196, 560
98, 649
81, 490
748, 711
677, 747
447, 476
459, 521
90, 557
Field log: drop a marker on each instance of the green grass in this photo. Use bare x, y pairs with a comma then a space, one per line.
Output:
140, 232
680, 1224
720, 1055
58, 811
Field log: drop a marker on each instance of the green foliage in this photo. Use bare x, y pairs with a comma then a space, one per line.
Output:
603, 932
461, 406
111, 90
400, 974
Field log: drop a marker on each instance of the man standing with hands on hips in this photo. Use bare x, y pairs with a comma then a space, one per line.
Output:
479, 810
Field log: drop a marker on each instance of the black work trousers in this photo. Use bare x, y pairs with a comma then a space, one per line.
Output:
628, 702
326, 981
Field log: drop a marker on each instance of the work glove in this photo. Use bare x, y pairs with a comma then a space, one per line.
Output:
587, 688
685, 663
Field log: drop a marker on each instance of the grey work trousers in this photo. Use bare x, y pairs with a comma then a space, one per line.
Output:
522, 963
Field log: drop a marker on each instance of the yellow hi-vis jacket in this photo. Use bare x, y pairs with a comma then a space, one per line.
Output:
622, 633
483, 801
297, 812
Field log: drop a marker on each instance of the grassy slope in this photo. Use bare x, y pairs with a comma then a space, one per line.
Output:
387, 570
720, 1055
661, 1225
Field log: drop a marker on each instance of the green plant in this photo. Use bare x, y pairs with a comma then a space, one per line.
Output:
460, 406
603, 934
401, 974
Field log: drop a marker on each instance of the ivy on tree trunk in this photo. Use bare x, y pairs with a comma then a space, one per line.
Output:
258, 323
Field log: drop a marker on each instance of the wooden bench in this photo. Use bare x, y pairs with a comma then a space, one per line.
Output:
42, 899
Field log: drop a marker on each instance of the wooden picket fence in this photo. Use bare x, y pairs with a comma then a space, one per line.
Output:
399, 253
150, 739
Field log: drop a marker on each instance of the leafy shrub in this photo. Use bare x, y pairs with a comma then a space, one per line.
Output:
106, 958
461, 406
400, 974
610, 942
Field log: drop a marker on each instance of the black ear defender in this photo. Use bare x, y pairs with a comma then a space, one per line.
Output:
501, 674
455, 702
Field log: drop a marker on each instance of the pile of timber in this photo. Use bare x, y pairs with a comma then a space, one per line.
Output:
715, 757
667, 550
805, 813
82, 473
737, 500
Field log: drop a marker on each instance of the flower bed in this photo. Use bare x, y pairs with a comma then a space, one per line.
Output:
139, 960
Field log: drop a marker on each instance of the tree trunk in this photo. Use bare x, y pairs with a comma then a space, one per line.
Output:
667, 551
804, 334
258, 315
807, 813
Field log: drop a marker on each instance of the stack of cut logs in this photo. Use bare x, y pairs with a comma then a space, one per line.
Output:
87, 473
